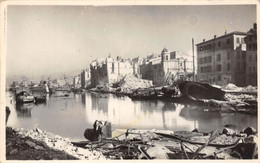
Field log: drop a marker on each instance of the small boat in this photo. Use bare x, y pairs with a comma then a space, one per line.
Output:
40, 99
144, 94
24, 97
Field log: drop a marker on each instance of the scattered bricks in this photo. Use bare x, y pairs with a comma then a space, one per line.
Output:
39, 130
195, 130
8, 149
58, 137
14, 151
29, 143
250, 131
39, 147
59, 144
9, 144
228, 131
251, 139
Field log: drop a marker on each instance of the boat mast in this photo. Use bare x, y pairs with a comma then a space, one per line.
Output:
193, 59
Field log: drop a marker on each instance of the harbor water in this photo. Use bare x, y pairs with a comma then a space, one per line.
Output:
70, 116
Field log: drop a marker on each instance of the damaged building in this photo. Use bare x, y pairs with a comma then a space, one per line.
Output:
251, 59
111, 70
166, 68
222, 60
85, 78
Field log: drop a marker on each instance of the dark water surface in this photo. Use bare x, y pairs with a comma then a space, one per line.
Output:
70, 116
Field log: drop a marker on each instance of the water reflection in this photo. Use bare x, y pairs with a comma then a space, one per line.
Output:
24, 110
70, 116
169, 106
192, 113
125, 113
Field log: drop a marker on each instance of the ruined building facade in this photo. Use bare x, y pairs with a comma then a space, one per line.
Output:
222, 60
251, 56
85, 78
111, 70
166, 68
77, 81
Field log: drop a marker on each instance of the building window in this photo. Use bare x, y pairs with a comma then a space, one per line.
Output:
249, 47
242, 41
238, 54
228, 55
201, 69
205, 59
172, 55
218, 67
209, 68
113, 68
228, 41
238, 65
254, 47
209, 59
228, 66
250, 58
166, 57
243, 55
238, 40
219, 78
201, 60
218, 57
219, 44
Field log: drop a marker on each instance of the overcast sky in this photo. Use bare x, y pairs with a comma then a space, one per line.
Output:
49, 40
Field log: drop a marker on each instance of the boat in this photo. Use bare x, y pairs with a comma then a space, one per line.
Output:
144, 94
40, 99
197, 91
24, 97
41, 88
77, 90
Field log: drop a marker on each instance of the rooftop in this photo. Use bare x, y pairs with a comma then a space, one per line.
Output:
225, 35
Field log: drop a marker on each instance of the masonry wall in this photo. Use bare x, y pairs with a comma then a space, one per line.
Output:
222, 61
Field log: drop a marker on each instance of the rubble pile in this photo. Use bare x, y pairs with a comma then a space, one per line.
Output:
132, 82
249, 89
229, 86
232, 87
166, 144
240, 97
28, 144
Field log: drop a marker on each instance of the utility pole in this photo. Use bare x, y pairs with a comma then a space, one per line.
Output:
193, 59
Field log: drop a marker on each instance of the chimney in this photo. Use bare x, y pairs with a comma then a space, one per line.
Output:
204, 40
215, 36
254, 26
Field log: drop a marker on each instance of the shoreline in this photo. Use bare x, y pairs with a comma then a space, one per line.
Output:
36, 144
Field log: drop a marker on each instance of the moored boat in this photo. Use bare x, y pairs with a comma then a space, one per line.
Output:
196, 91
24, 97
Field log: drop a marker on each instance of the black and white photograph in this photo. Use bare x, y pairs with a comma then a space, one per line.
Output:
115, 80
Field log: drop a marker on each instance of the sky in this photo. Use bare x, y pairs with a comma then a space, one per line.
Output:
55, 40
